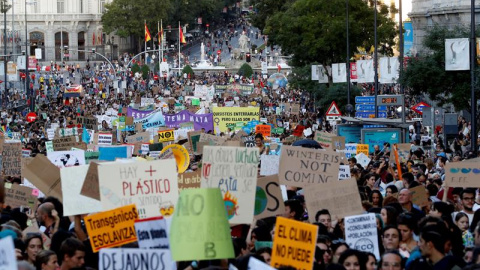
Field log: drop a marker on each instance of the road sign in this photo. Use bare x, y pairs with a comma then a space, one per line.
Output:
333, 110
370, 114
361, 99
418, 108
396, 100
369, 107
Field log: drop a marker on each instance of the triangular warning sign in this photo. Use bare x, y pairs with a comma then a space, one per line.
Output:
333, 110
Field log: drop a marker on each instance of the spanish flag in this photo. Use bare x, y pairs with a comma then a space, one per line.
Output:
148, 37
182, 37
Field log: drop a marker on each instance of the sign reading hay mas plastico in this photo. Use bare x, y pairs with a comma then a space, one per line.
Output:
144, 184
234, 171
222, 116
301, 167
112, 228
294, 244
134, 258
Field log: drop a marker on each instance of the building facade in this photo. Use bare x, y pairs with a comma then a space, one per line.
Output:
61, 29
450, 13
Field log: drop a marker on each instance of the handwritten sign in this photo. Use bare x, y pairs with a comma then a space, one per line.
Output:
268, 198
362, 148
17, 196
166, 136
12, 159
64, 143
151, 185
344, 172
338, 142
419, 196
212, 139
88, 122
341, 198
269, 164
152, 233
105, 138
361, 233
200, 226
265, 130
302, 167
7, 249
294, 244
324, 139
462, 174
134, 258
189, 180
112, 228
234, 171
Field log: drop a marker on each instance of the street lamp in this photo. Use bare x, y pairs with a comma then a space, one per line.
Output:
375, 60
4, 7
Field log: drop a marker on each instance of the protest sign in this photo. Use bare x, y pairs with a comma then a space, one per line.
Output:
231, 115
189, 180
256, 264
324, 139
63, 159
139, 183
361, 233
200, 226
25, 162
351, 150
362, 148
105, 138
302, 167
64, 143
111, 153
212, 139
234, 171
363, 159
249, 141
268, 198
12, 159
137, 114
90, 186
155, 119
18, 196
139, 137
91, 155
294, 244
180, 154
403, 150
199, 121
166, 136
9, 258
112, 228
73, 202
338, 142
269, 164
44, 175
152, 233
25, 152
193, 139
462, 174
263, 244
341, 198
344, 172
88, 122
265, 130
134, 258
419, 195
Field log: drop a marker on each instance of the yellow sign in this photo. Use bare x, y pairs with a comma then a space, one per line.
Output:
181, 156
362, 148
294, 244
223, 116
112, 228
166, 136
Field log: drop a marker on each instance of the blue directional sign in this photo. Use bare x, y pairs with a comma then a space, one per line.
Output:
361, 99
369, 108
368, 114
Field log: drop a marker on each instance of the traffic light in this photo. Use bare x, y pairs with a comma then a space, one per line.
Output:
248, 57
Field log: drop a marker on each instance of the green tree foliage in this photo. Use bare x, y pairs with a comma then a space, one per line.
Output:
315, 30
145, 70
338, 93
265, 9
135, 68
188, 69
245, 70
426, 75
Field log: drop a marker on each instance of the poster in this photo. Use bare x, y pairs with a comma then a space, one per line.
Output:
73, 202
462, 174
338, 143
324, 139
233, 170
389, 69
268, 198
64, 143
134, 258
154, 119
200, 121
302, 167
9, 258
88, 122
63, 159
44, 175
12, 159
457, 54
152, 233
344, 172
166, 136
222, 116
112, 228
265, 130
294, 244
151, 186
105, 138
361, 233
189, 180
339, 73
18, 196
90, 186
365, 71
137, 114
269, 164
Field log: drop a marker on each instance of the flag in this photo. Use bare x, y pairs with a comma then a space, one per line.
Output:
148, 37
160, 35
279, 67
182, 37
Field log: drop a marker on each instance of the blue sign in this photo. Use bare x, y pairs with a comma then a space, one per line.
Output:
361, 99
407, 38
379, 137
155, 119
367, 114
112, 153
370, 107
352, 134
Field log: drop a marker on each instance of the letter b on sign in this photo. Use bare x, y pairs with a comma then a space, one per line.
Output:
210, 250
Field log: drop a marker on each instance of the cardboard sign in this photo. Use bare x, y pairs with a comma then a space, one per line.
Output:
462, 174
338, 142
193, 139
105, 139
180, 154
294, 244
151, 185
152, 233
303, 167
17, 196
324, 139
73, 202
25, 162
189, 180
212, 139
249, 141
88, 122
11, 159
166, 136
64, 143
45, 176
419, 195
112, 228
9, 258
139, 137
269, 164
361, 233
234, 171
200, 226
268, 198
341, 198
90, 186
265, 130
134, 258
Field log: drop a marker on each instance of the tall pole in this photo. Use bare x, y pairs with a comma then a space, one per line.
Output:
348, 58
473, 101
5, 62
61, 40
179, 44
13, 27
145, 48
161, 40
375, 60
402, 89
159, 49
27, 77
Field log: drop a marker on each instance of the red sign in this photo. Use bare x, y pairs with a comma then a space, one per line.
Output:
333, 110
353, 71
418, 108
155, 77
199, 20
31, 117
32, 62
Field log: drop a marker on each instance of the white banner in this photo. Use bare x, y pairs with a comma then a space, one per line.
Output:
322, 74
365, 71
457, 54
339, 73
389, 69
315, 73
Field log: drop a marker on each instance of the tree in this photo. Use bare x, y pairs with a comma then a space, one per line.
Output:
245, 70
188, 69
265, 9
314, 30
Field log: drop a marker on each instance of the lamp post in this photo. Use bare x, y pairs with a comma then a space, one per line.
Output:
4, 8
375, 60
348, 58
473, 101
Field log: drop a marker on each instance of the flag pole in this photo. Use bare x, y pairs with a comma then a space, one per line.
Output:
179, 42
145, 48
159, 49
161, 38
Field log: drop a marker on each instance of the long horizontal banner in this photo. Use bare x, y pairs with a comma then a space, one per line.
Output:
199, 120
240, 89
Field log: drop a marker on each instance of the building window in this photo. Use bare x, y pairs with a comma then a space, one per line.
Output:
81, 7
102, 6
60, 6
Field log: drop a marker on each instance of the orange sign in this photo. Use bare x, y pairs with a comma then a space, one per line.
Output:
265, 130
112, 228
362, 148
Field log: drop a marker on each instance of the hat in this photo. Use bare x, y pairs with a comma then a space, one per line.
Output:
6, 233
442, 154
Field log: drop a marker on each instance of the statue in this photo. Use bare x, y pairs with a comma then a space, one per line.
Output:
243, 42
202, 52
